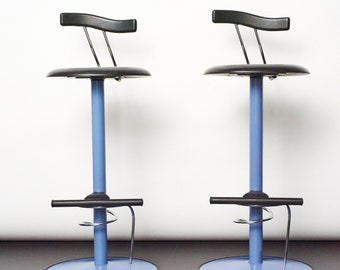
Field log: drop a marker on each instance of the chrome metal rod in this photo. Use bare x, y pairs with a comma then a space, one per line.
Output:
91, 46
287, 237
260, 46
242, 44
133, 217
109, 48
94, 224
245, 221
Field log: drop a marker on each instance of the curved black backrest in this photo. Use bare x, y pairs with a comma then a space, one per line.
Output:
100, 23
251, 20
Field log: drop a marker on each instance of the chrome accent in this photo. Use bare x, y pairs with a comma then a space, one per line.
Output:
94, 224
242, 44
246, 221
91, 46
260, 46
109, 48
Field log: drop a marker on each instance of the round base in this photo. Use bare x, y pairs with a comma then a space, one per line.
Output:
116, 263
242, 263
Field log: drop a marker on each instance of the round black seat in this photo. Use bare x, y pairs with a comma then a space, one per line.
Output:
100, 72
257, 70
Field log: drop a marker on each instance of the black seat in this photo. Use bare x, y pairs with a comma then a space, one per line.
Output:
105, 25
254, 70
100, 72
257, 23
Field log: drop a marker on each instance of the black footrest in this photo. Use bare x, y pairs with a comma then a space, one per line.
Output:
256, 199
97, 200
97, 203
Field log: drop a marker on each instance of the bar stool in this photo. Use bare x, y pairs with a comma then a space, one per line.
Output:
99, 201
256, 199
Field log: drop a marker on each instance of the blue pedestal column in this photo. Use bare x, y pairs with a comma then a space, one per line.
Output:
256, 146
99, 170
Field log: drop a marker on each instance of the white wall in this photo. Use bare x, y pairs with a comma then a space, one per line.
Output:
176, 138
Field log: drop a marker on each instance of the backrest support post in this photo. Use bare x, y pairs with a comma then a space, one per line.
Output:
260, 46
91, 46
109, 48
242, 44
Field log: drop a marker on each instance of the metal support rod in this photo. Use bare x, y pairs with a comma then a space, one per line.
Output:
91, 46
99, 175
256, 145
260, 46
132, 240
109, 48
242, 44
287, 237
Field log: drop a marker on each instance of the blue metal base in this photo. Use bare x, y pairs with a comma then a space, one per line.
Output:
114, 263
242, 263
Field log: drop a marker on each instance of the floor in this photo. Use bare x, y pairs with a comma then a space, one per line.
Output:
167, 255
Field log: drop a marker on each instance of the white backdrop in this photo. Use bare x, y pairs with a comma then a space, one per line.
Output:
176, 138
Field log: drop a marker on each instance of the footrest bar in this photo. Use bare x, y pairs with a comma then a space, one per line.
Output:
260, 202
97, 203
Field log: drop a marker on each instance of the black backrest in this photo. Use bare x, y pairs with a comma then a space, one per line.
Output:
99, 23
250, 20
